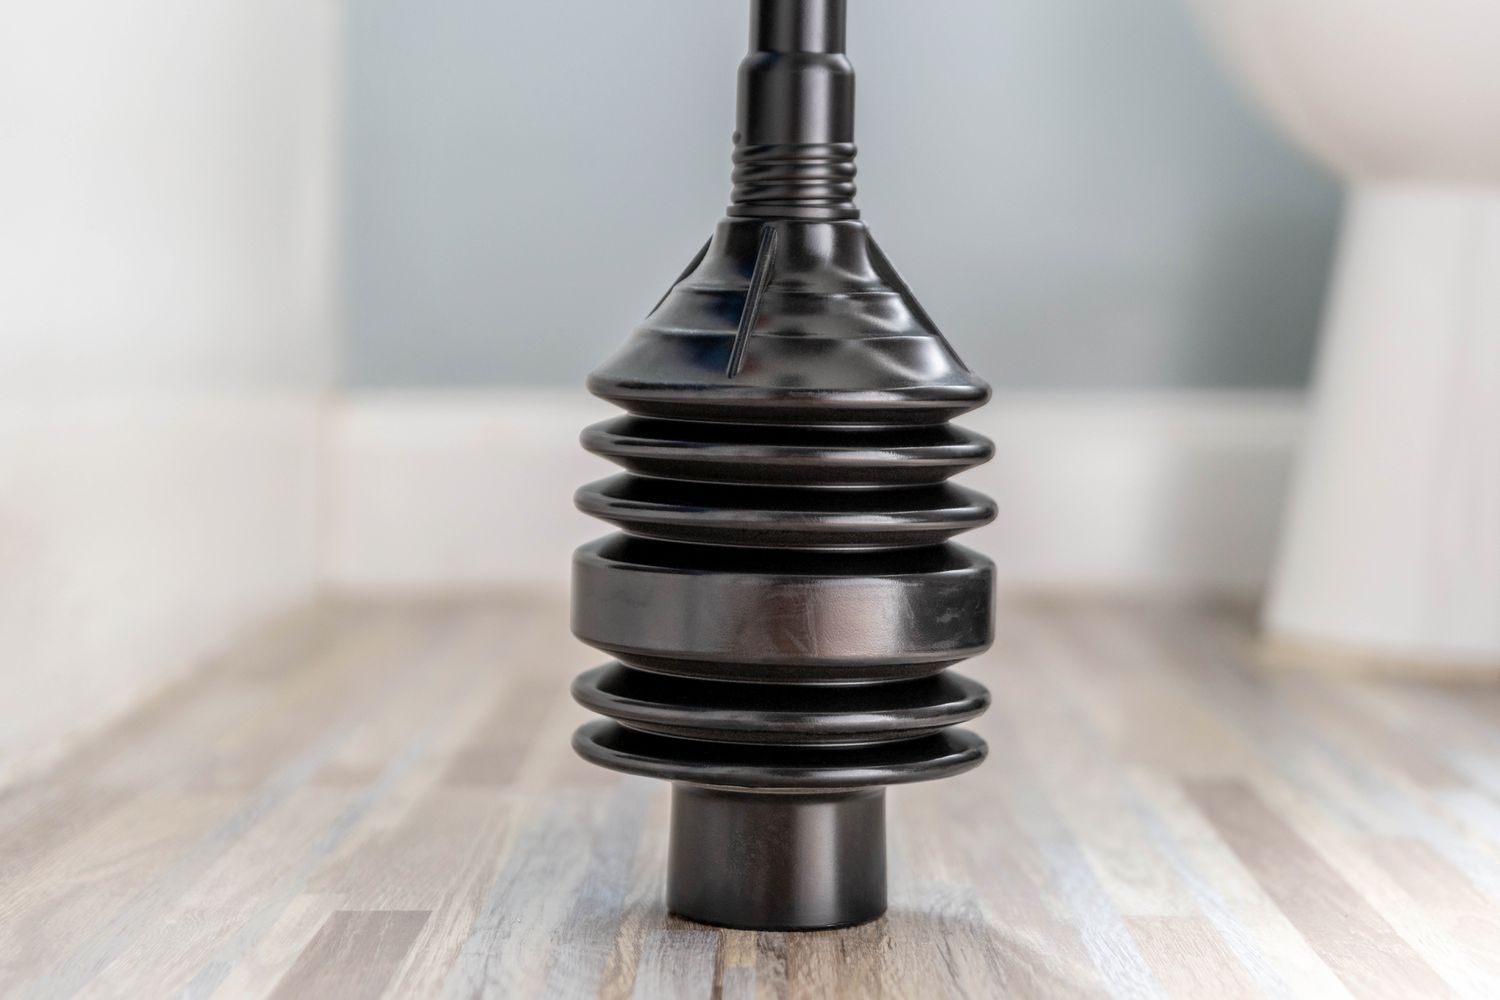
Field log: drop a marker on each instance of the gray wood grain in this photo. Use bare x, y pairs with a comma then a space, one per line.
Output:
380, 800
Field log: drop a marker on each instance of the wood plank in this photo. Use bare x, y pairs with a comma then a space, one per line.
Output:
1189, 958
258, 971
354, 954
677, 962
1360, 946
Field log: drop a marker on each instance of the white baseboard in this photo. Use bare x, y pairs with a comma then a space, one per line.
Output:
136, 537
1161, 490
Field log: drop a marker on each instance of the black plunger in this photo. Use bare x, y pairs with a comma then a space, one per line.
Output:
782, 598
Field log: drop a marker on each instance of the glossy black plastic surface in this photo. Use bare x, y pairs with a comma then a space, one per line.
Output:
733, 856
783, 597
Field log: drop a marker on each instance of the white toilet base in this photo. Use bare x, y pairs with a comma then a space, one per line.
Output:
1392, 541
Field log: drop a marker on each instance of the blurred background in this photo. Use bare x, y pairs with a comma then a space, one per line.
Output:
298, 296
1072, 185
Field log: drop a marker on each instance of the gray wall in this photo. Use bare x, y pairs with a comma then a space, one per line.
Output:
1071, 186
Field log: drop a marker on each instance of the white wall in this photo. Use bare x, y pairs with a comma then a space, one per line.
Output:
167, 278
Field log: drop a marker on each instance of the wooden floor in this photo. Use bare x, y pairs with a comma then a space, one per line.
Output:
380, 800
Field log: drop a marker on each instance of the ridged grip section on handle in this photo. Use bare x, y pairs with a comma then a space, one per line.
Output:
794, 133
